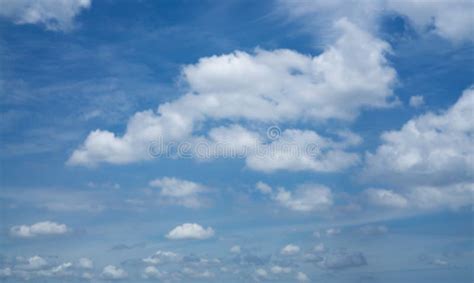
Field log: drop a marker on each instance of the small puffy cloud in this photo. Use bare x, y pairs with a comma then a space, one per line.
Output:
424, 198
53, 14
301, 277
263, 188
386, 198
292, 149
35, 262
232, 141
290, 249
416, 101
276, 269
181, 192
305, 198
190, 231
177, 188
161, 257
286, 85
235, 250
38, 229
441, 197
299, 150
152, 272
112, 272
85, 263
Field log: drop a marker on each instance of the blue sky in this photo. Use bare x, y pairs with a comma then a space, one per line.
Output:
373, 99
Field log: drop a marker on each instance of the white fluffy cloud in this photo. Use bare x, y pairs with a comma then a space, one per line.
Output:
305, 198
298, 150
387, 198
35, 262
177, 188
263, 188
161, 257
264, 87
292, 149
451, 196
429, 162
38, 229
190, 231
181, 192
431, 149
112, 272
53, 14
290, 249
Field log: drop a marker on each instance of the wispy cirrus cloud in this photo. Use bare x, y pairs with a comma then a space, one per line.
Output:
54, 15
